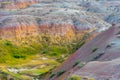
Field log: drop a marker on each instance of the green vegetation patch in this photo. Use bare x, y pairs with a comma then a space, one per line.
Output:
17, 53
13, 54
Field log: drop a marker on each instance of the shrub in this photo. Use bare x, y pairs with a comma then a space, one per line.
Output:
98, 56
108, 46
74, 78
52, 75
94, 49
17, 56
60, 59
76, 63
44, 52
59, 73
8, 43
82, 43
79, 45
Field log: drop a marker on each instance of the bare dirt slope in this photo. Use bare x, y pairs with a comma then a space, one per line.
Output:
104, 49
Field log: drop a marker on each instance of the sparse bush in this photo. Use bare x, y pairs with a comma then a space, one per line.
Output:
59, 73
76, 63
17, 56
98, 56
60, 59
52, 75
78, 45
44, 52
94, 49
108, 46
8, 43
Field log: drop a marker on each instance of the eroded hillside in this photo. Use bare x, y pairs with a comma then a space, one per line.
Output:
37, 35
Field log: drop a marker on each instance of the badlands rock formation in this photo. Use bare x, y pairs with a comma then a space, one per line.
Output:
63, 23
51, 17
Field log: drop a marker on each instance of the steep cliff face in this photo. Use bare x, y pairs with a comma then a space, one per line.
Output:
17, 26
16, 4
27, 26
